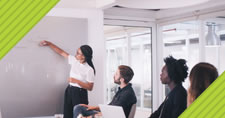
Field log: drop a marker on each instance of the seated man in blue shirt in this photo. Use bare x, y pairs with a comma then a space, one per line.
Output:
124, 97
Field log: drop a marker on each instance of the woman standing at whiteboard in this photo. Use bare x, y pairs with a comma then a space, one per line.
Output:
81, 76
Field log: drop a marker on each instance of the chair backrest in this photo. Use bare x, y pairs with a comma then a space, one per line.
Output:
132, 111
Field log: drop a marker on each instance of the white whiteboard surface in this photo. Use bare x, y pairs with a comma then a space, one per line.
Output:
33, 78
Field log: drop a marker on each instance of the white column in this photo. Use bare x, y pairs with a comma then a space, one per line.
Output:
157, 56
201, 41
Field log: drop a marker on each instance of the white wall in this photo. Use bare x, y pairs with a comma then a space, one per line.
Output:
95, 40
33, 78
40, 91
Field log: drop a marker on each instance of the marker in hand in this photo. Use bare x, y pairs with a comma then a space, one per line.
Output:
44, 43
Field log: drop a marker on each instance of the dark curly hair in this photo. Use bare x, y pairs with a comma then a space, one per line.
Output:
177, 69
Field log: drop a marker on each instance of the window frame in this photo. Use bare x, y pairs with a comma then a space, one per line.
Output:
156, 84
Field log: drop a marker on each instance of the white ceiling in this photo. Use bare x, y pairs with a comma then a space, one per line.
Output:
158, 4
76, 4
143, 13
84, 3
139, 4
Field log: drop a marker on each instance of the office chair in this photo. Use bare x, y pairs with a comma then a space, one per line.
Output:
132, 111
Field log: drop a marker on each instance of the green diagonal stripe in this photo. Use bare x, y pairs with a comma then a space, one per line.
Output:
17, 18
210, 104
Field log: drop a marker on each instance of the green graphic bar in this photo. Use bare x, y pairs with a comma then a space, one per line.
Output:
210, 104
17, 18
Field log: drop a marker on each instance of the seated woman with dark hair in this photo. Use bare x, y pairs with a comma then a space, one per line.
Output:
201, 76
173, 74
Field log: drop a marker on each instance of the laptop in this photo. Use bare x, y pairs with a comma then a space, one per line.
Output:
110, 111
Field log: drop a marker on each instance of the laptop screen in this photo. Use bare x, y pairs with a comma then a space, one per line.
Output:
110, 111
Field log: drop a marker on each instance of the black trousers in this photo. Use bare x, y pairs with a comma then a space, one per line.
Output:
73, 96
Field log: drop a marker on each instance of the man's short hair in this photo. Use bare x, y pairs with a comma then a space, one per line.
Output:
126, 72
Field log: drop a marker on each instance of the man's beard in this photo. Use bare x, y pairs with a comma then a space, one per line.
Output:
117, 81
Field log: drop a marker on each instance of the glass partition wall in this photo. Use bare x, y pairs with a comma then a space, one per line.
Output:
182, 39
215, 54
130, 46
187, 40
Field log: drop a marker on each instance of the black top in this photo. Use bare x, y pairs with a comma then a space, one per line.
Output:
174, 104
124, 97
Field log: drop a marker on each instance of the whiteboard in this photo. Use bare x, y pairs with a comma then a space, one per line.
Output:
33, 78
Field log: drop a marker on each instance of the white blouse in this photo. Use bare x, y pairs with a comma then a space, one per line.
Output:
79, 71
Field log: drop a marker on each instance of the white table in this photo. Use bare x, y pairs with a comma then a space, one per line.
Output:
42, 117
